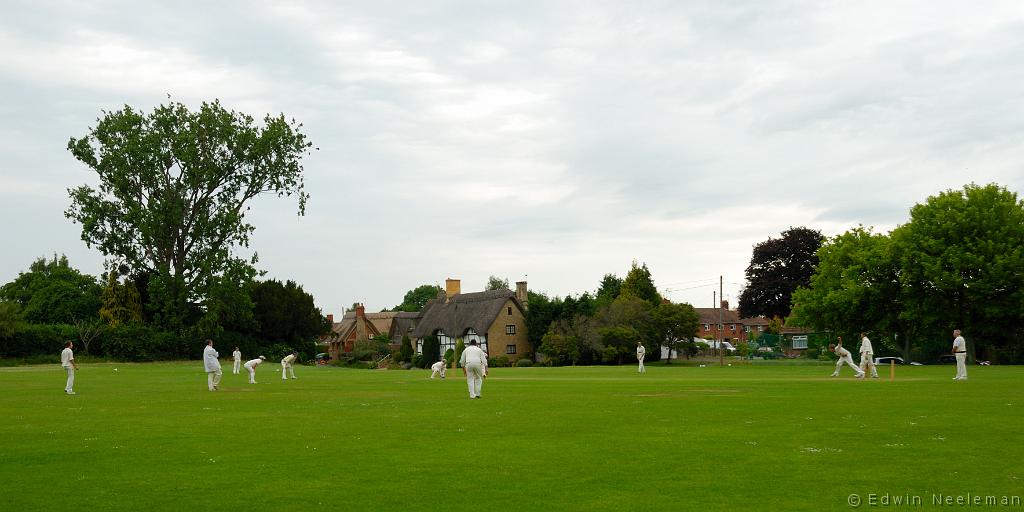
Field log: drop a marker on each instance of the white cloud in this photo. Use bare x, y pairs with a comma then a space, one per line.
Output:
556, 140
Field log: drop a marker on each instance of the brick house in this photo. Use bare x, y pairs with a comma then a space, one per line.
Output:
731, 326
354, 326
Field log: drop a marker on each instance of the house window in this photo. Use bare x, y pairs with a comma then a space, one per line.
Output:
510, 329
707, 327
510, 311
760, 328
732, 327
746, 328
446, 342
510, 349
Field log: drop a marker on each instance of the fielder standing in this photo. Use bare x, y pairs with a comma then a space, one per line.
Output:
844, 357
867, 358
251, 367
211, 363
640, 353
288, 365
237, 355
474, 367
960, 352
67, 361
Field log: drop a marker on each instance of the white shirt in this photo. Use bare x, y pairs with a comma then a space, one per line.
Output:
473, 355
865, 346
842, 352
438, 366
67, 356
640, 351
237, 355
959, 345
210, 361
252, 363
288, 360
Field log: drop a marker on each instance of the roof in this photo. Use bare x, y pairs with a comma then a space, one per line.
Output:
755, 320
403, 324
710, 316
344, 328
381, 321
464, 311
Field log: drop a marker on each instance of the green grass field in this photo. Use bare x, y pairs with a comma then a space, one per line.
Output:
151, 437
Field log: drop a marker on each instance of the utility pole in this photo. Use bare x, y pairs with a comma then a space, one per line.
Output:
721, 335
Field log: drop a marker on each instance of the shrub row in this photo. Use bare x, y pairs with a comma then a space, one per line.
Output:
134, 343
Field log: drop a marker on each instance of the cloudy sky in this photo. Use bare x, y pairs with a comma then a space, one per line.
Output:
554, 140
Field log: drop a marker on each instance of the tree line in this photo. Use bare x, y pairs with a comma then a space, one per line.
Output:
53, 302
958, 263
604, 327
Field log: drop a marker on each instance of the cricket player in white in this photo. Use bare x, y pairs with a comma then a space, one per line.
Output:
867, 358
437, 368
844, 357
211, 364
474, 367
251, 366
67, 361
237, 355
640, 353
287, 364
960, 352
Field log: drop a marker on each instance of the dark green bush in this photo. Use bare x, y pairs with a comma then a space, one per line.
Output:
499, 362
38, 339
524, 363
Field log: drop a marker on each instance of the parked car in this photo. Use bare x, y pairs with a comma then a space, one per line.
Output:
713, 345
323, 358
947, 359
887, 360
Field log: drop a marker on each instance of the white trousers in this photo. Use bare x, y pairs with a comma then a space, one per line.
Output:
474, 378
435, 372
867, 360
238, 364
961, 366
848, 360
213, 380
285, 368
641, 368
252, 374
69, 387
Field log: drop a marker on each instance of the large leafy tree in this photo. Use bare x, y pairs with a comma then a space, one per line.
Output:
52, 292
625, 321
174, 188
638, 283
285, 313
418, 297
777, 268
855, 288
963, 267
121, 302
496, 283
676, 325
608, 290
10, 318
542, 313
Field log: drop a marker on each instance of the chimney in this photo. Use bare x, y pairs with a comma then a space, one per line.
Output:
725, 304
360, 311
521, 294
330, 319
452, 287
